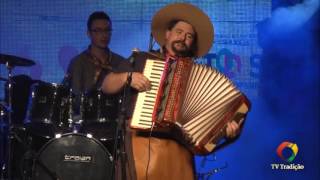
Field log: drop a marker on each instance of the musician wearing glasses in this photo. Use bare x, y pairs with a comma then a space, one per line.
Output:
85, 72
85, 69
182, 30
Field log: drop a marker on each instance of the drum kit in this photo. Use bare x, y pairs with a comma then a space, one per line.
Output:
48, 132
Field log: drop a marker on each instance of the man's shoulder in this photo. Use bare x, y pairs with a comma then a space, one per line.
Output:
148, 55
117, 56
119, 63
140, 58
80, 57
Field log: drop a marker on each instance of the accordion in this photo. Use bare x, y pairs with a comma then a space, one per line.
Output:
192, 101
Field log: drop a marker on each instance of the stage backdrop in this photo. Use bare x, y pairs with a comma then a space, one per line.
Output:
52, 32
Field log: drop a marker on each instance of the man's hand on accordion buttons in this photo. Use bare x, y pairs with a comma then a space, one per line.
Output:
233, 129
140, 82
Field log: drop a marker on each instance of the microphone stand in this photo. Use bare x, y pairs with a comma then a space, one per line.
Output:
120, 134
120, 138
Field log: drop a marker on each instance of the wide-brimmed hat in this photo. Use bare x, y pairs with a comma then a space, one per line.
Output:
190, 14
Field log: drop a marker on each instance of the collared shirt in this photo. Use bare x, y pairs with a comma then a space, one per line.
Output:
85, 76
84, 73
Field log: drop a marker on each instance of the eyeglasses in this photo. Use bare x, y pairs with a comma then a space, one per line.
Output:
101, 31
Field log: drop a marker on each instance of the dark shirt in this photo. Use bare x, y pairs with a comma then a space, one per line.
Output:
82, 71
85, 77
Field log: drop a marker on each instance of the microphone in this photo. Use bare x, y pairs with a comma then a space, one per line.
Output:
150, 42
133, 56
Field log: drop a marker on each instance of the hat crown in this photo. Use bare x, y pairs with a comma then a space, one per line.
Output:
190, 14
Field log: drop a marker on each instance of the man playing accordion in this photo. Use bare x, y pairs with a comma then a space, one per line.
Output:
181, 30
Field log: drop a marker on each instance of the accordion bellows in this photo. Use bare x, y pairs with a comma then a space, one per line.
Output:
192, 102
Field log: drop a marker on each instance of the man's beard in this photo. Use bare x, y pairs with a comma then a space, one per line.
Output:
183, 52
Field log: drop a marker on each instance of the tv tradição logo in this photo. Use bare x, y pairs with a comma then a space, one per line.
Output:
287, 145
287, 151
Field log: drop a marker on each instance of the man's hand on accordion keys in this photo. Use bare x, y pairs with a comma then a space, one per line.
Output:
140, 82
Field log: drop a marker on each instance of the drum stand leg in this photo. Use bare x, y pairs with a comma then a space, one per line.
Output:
3, 170
27, 159
6, 165
22, 162
3, 140
10, 134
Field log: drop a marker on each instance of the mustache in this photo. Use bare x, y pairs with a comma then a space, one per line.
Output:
181, 42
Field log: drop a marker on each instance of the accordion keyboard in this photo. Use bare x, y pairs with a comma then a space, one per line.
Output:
142, 114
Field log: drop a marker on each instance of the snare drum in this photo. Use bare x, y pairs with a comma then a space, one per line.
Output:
73, 157
49, 108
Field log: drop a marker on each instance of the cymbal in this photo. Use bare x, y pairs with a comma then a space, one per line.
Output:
15, 61
3, 79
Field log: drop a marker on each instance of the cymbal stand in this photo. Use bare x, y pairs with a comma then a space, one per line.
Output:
74, 125
3, 137
7, 166
70, 110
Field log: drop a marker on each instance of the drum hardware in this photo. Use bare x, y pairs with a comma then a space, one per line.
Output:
29, 145
3, 110
10, 62
104, 131
24, 153
9, 145
3, 169
81, 109
63, 98
13, 61
97, 113
50, 109
93, 105
27, 163
70, 112
20, 93
24, 163
72, 124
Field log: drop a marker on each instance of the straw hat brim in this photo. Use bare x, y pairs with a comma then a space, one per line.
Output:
190, 14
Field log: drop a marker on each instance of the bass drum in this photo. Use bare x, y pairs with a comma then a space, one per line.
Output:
104, 132
73, 157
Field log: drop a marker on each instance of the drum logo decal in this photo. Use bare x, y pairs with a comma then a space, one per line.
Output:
75, 158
